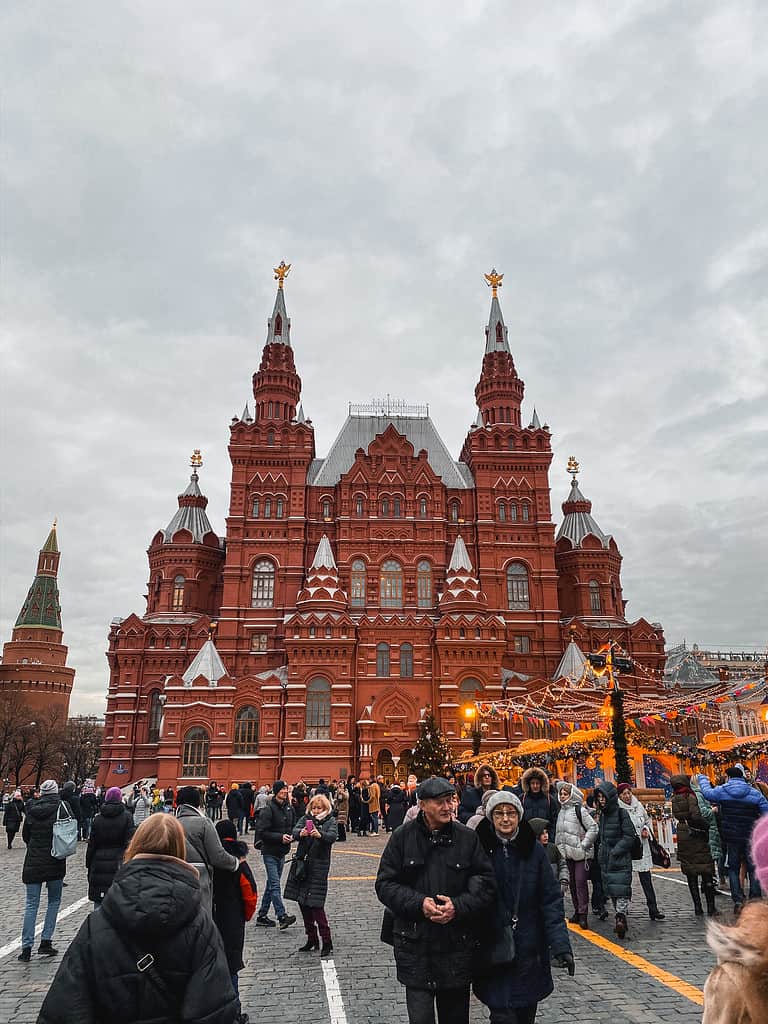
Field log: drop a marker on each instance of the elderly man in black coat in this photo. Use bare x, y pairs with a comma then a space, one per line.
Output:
438, 886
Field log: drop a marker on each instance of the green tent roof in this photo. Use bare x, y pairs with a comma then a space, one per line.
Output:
41, 608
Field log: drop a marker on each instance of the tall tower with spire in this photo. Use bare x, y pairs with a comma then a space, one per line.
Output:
35, 659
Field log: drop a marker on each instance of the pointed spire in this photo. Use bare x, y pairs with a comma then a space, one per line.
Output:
478, 424
535, 423
52, 544
42, 610
300, 417
496, 331
578, 522
246, 417
462, 588
460, 558
191, 515
324, 555
322, 588
206, 663
572, 664
279, 325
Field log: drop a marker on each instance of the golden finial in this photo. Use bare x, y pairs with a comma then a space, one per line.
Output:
281, 272
494, 281
573, 466
55, 522
196, 460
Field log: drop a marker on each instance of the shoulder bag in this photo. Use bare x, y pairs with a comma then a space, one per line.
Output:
64, 834
503, 952
659, 855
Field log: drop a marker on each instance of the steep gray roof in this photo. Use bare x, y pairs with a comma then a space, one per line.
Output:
359, 431
190, 516
577, 523
496, 331
284, 336
207, 663
572, 663
324, 555
460, 558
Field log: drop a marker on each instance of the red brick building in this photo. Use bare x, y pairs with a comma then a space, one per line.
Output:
35, 659
353, 590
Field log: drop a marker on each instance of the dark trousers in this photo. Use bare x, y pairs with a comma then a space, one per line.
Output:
577, 878
314, 918
738, 853
598, 893
520, 1015
452, 1005
648, 891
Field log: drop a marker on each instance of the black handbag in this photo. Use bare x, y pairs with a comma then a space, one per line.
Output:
637, 848
659, 855
503, 952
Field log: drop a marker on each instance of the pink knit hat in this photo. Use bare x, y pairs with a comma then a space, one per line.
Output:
760, 852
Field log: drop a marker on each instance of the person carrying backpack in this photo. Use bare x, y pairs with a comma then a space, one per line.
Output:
575, 836
234, 902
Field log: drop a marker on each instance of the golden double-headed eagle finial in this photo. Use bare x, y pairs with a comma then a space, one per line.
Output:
573, 466
281, 272
494, 281
196, 459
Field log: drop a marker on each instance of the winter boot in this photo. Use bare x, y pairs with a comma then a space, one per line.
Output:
313, 942
327, 948
709, 895
621, 925
25, 955
574, 918
655, 914
583, 922
693, 887
46, 949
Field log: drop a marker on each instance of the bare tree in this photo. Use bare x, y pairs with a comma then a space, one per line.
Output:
48, 744
15, 716
82, 748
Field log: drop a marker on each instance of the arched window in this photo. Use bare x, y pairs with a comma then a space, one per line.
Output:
382, 659
517, 586
177, 598
454, 511
595, 606
318, 715
502, 511
267, 508
246, 731
155, 715
499, 334
422, 508
406, 661
263, 592
270, 433
326, 508
396, 508
195, 757
256, 508
279, 508
278, 326
526, 511
424, 585
385, 506
513, 513
359, 506
357, 584
391, 585
270, 413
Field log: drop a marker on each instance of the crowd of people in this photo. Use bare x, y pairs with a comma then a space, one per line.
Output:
473, 880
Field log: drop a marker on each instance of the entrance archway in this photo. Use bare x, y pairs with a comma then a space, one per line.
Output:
404, 766
386, 766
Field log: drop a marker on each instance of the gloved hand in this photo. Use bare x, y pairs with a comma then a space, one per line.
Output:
566, 960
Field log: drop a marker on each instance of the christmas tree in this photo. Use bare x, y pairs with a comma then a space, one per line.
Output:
432, 753
619, 730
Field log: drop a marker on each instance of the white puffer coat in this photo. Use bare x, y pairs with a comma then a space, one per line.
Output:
640, 820
572, 840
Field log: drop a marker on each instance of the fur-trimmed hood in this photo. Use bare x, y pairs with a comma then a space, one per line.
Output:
746, 942
532, 773
494, 776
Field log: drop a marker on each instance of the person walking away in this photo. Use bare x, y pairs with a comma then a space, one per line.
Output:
642, 867
299, 799
529, 891
355, 808
152, 953
575, 836
397, 802
307, 883
485, 778
111, 832
374, 806
736, 991
712, 818
616, 837
204, 849
740, 807
72, 800
41, 868
275, 832
365, 814
381, 782
341, 808
536, 796
435, 912
89, 806
235, 808
142, 807
211, 797
693, 851
230, 909
13, 817
246, 792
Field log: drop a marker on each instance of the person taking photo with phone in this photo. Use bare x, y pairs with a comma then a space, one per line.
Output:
307, 882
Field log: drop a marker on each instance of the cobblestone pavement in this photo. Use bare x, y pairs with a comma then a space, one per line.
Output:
281, 985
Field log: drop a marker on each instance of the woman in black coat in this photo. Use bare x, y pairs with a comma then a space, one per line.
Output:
228, 905
13, 817
151, 915
616, 837
397, 804
111, 832
355, 808
528, 889
307, 881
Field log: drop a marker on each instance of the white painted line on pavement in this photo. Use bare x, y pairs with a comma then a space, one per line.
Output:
667, 878
333, 992
11, 947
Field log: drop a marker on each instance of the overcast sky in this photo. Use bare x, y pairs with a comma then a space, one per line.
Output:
609, 158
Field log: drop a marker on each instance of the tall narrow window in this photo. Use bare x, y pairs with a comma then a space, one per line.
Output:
278, 326
359, 506
424, 585
267, 508
246, 731
357, 584
502, 511
526, 511
195, 756
271, 411
155, 715
318, 714
396, 508
406, 661
177, 599
326, 509
595, 606
454, 511
263, 592
256, 508
385, 506
270, 435
279, 508
513, 513
391, 585
382, 659
422, 508
517, 586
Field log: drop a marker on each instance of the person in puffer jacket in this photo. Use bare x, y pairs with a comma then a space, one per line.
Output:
485, 778
575, 838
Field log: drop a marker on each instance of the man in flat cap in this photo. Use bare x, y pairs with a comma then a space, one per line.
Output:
439, 888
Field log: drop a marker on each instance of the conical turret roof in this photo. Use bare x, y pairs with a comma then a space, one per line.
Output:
41, 609
578, 521
206, 663
462, 588
279, 324
496, 339
191, 515
322, 589
572, 664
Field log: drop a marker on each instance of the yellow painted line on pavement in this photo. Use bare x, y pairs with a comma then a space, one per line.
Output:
357, 853
641, 964
352, 878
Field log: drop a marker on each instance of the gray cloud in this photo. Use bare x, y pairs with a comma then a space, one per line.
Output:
159, 159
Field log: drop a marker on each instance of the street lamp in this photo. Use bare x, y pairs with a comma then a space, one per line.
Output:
471, 727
